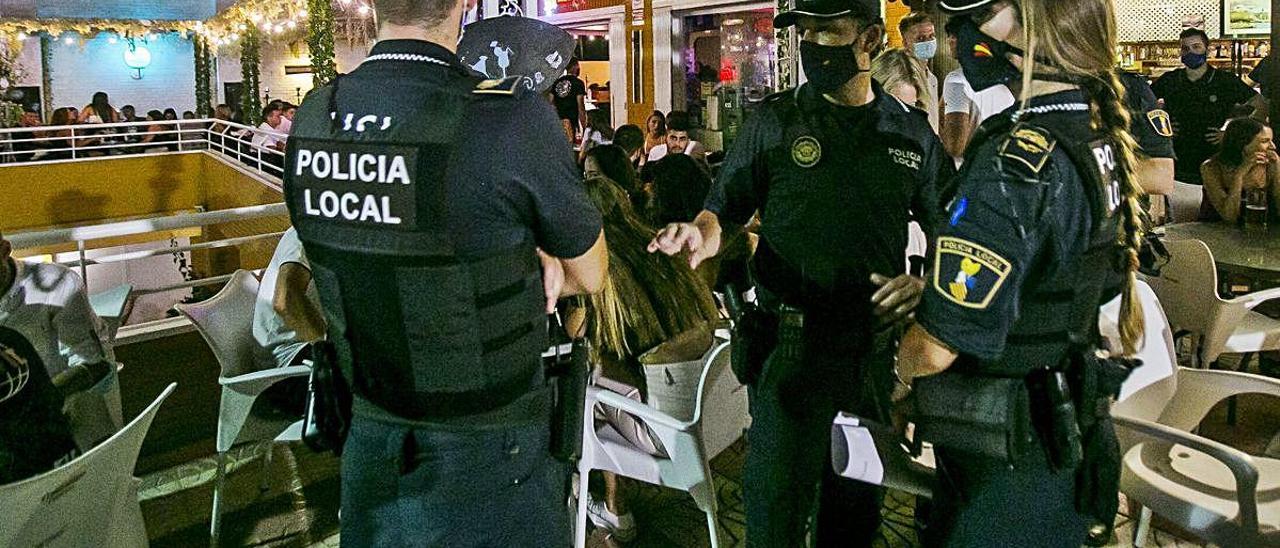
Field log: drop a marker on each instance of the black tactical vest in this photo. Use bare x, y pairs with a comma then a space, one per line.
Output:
419, 331
1060, 308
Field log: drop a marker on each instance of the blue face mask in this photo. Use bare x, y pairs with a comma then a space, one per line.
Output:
926, 50
1194, 60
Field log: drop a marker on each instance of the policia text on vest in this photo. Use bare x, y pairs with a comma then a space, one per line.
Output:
357, 182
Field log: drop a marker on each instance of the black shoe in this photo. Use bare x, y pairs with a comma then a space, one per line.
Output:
1099, 535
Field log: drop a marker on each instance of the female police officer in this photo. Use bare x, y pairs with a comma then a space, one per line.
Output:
1045, 205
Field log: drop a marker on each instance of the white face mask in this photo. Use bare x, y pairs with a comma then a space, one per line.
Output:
926, 50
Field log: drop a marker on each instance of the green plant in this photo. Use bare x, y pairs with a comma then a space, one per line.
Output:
204, 72
320, 42
250, 70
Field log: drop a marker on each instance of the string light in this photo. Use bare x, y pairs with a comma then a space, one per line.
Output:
363, 10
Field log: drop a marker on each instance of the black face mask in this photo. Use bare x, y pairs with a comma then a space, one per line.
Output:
828, 67
984, 58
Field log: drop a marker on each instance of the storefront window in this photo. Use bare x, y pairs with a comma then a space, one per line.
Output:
729, 66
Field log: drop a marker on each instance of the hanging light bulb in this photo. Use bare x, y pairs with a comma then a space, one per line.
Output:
363, 10
22, 36
255, 17
278, 29
69, 40
242, 27
291, 24
344, 3
302, 14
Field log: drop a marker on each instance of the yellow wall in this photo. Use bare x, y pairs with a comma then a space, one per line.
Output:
103, 190
595, 72
91, 191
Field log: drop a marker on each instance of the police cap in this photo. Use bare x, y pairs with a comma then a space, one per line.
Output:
828, 9
959, 7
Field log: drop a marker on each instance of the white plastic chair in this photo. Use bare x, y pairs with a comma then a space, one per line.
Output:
1188, 288
1153, 379
90, 501
226, 323
1209, 489
109, 305
1184, 202
691, 444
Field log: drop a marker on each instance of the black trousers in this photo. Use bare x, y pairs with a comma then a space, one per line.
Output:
981, 502
788, 468
452, 487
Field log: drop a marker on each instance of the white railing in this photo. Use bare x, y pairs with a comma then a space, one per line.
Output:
238, 142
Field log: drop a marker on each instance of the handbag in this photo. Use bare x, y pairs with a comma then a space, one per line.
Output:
328, 412
978, 415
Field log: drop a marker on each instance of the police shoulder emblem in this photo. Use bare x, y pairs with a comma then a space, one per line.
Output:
806, 151
1028, 147
1161, 122
968, 274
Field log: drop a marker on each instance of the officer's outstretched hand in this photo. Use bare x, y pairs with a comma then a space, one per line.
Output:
897, 298
677, 238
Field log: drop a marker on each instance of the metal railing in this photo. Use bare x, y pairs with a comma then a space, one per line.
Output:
247, 146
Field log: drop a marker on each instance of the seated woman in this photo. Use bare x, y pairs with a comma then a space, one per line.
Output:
158, 137
647, 299
1246, 162
610, 161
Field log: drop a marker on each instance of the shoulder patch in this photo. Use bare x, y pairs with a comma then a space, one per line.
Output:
1026, 148
968, 274
1161, 122
512, 86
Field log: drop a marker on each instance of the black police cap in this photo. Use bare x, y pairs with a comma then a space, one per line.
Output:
828, 9
958, 7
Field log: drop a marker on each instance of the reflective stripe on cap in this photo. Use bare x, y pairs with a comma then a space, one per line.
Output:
961, 6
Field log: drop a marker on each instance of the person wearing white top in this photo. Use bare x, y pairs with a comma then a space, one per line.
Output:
47, 303
678, 140
270, 136
920, 41
965, 109
287, 314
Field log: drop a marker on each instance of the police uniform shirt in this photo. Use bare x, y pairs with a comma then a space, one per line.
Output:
836, 187
1016, 216
1198, 107
513, 178
1150, 125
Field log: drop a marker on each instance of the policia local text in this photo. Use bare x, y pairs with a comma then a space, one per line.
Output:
367, 168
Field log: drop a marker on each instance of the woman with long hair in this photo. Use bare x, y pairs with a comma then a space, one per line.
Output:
611, 162
903, 78
598, 132
655, 131
99, 111
647, 299
1041, 213
1246, 163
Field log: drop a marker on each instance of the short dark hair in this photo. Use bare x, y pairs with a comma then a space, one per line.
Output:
912, 19
412, 12
629, 137
572, 63
678, 120
1188, 33
267, 110
130, 107
680, 187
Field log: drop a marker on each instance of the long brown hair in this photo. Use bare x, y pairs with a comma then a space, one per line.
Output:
647, 298
1078, 40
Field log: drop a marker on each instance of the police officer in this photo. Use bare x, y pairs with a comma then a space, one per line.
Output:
1046, 211
835, 168
424, 236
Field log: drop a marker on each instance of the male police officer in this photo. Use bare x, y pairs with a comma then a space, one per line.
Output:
835, 169
422, 242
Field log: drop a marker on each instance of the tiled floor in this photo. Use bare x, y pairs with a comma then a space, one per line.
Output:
299, 507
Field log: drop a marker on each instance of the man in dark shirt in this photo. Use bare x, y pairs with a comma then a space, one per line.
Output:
1199, 99
568, 94
35, 436
449, 441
